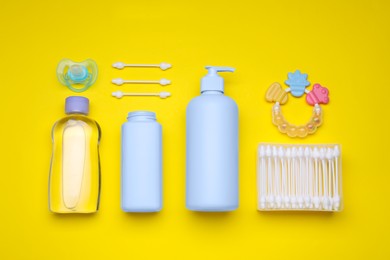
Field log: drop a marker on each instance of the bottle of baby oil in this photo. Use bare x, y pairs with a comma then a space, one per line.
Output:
74, 183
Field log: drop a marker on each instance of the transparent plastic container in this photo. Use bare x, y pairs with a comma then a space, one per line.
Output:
299, 177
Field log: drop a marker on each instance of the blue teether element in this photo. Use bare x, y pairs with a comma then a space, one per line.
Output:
73, 74
297, 83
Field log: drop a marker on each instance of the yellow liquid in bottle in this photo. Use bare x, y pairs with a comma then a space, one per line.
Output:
74, 184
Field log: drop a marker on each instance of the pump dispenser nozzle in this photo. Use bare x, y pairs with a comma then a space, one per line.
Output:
212, 81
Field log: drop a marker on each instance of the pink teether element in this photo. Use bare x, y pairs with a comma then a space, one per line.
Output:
318, 95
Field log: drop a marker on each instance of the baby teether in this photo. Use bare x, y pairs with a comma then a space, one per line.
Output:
77, 76
297, 83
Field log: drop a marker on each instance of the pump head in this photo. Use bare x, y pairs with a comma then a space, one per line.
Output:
212, 81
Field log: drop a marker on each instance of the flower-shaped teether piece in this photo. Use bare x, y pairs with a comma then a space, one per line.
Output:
297, 82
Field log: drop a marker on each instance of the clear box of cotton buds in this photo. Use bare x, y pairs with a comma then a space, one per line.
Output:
299, 177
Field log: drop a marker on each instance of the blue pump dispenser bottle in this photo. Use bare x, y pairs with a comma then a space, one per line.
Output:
212, 147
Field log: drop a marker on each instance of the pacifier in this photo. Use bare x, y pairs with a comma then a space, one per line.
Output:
73, 74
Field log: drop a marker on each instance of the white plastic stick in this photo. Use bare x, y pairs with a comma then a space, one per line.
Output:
121, 65
120, 94
119, 82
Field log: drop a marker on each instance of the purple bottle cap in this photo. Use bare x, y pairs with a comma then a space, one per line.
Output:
76, 105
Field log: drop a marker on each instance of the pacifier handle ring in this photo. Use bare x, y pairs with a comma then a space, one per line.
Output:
78, 90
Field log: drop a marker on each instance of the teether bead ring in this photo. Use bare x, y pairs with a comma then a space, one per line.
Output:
292, 130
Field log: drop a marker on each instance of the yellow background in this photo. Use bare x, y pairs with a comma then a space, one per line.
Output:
343, 45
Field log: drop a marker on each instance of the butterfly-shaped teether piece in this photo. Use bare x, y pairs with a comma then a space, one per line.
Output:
318, 95
276, 93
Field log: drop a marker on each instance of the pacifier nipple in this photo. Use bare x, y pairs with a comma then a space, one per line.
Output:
77, 73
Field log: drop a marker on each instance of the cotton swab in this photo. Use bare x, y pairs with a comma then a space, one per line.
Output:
120, 94
278, 198
325, 195
316, 199
119, 82
270, 194
293, 178
301, 181
262, 178
288, 178
331, 179
308, 179
336, 198
285, 197
121, 65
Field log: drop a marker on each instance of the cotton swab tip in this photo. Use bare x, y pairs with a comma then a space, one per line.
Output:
165, 94
261, 151
268, 150
325, 202
288, 152
294, 152
165, 66
117, 94
336, 202
263, 202
117, 81
300, 151
336, 151
300, 202
293, 202
286, 201
316, 153
329, 154
316, 201
274, 151
118, 65
307, 151
164, 82
281, 152
278, 201
307, 201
